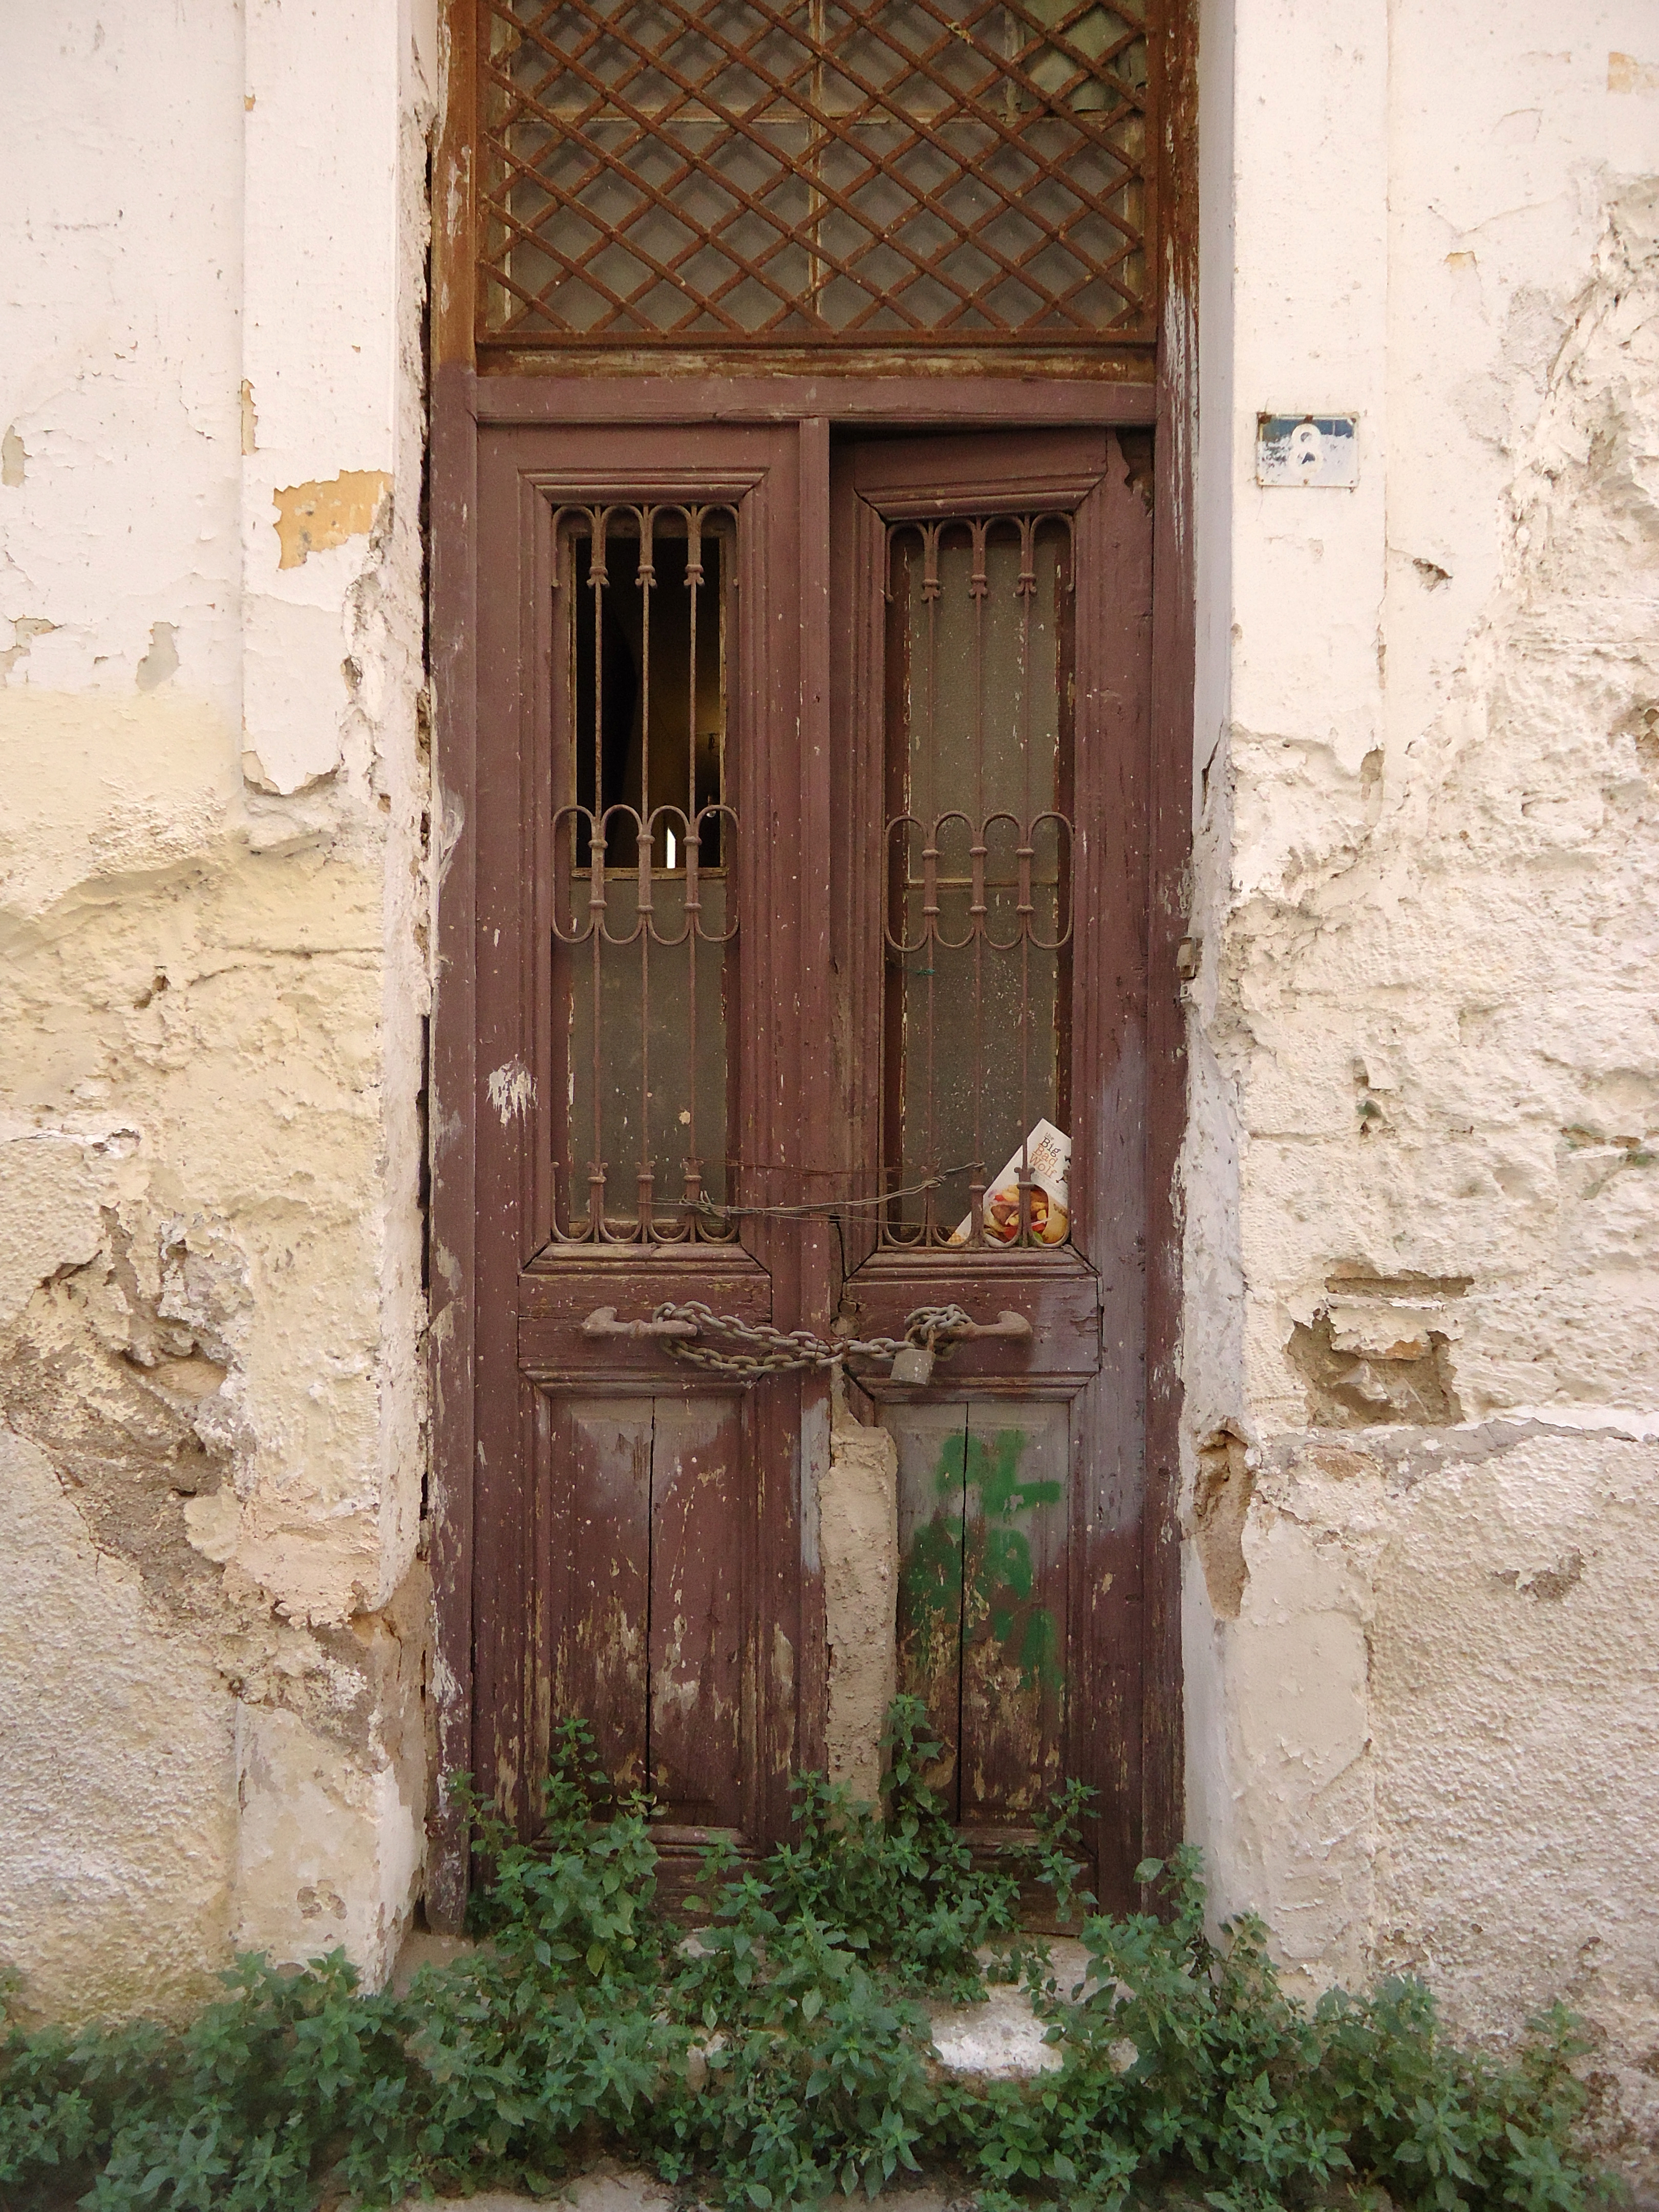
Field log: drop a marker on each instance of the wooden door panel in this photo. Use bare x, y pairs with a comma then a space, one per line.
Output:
932, 1441
595, 1556
983, 1608
698, 1510
1022, 1461
1015, 1645
667, 1509
1057, 1292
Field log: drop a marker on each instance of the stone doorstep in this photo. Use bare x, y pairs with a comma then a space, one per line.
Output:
1003, 2039
1000, 2040
624, 2188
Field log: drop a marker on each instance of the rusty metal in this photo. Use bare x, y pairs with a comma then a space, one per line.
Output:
843, 173
635, 882
1006, 1324
1014, 899
767, 1351
603, 1322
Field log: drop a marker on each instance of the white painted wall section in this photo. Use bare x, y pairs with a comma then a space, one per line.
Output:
1420, 1183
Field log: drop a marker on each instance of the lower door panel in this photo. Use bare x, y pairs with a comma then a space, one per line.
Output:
643, 1545
983, 1497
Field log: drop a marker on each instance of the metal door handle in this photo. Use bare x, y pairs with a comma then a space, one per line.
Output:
914, 1362
603, 1322
1006, 1324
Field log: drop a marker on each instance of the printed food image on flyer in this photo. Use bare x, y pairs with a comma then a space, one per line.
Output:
1049, 1151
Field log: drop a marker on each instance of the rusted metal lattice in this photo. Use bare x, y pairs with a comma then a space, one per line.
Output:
854, 172
643, 845
979, 881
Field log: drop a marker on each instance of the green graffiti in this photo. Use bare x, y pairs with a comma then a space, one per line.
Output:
998, 1589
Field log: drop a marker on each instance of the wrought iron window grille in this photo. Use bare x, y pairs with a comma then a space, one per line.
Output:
645, 846
978, 919
829, 172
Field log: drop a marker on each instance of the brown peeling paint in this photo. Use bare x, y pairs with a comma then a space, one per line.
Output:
314, 518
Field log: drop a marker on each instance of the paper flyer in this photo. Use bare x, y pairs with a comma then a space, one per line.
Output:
1049, 1151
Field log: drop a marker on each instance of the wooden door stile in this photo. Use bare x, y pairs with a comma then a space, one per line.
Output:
452, 1106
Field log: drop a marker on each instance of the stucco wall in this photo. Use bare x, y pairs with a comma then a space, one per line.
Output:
212, 977
1422, 1184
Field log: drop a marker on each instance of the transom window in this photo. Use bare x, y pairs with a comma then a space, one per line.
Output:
660, 172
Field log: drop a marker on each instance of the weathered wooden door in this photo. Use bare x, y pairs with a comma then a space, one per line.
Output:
993, 598
810, 835
643, 966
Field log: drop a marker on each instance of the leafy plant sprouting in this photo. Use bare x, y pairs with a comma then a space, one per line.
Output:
781, 2057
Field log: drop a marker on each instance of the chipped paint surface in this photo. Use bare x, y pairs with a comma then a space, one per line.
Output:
315, 518
512, 1090
1422, 1216
213, 1604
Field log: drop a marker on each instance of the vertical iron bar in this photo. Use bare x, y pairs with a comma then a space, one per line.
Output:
930, 592
691, 1165
599, 577
978, 590
1027, 589
644, 920
727, 834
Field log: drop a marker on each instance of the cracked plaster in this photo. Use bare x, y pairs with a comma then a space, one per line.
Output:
1418, 1189
212, 930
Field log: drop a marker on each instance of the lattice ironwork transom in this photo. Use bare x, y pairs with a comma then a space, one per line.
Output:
856, 172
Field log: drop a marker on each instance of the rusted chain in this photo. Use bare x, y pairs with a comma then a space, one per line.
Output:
783, 1351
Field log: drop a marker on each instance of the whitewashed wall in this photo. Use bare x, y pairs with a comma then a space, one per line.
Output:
1422, 1184
212, 977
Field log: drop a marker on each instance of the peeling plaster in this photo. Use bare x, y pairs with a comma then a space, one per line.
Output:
315, 518
161, 664
213, 1605
858, 1550
25, 629
1422, 1234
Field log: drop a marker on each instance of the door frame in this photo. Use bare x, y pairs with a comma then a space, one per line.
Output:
464, 405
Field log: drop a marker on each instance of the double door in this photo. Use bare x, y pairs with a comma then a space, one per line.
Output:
807, 854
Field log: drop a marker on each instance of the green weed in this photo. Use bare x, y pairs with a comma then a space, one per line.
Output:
783, 2056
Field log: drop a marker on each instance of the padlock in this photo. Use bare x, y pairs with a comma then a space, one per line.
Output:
914, 1364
